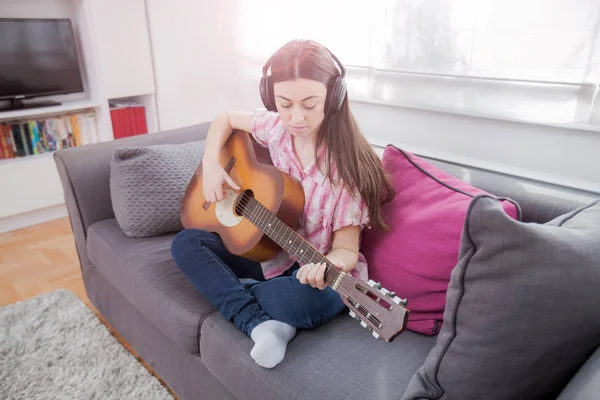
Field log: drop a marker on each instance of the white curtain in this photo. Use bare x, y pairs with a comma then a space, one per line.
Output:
537, 60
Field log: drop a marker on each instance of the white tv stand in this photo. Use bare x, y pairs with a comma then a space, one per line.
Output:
116, 61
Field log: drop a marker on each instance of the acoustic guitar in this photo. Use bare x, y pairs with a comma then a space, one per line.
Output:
262, 218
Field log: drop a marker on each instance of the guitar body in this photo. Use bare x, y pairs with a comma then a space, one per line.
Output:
261, 218
278, 192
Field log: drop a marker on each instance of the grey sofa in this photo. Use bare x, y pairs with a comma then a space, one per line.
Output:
135, 284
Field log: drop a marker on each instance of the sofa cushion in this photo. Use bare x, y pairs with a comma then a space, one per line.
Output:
585, 385
144, 271
522, 314
147, 184
339, 360
416, 256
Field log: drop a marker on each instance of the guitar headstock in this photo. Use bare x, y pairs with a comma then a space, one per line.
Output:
378, 310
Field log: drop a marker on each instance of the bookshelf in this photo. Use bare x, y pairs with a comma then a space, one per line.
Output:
35, 112
116, 63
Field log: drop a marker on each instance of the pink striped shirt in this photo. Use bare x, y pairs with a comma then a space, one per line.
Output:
327, 207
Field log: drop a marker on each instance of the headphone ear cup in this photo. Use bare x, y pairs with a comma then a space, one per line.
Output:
335, 95
271, 94
266, 93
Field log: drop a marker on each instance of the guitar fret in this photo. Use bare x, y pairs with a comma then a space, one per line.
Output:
300, 253
315, 255
274, 225
278, 227
288, 241
305, 250
310, 254
293, 245
259, 217
252, 215
262, 217
287, 238
302, 250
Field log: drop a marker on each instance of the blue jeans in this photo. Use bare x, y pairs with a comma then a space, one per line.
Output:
216, 273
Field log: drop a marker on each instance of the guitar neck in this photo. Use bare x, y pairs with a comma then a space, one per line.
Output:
290, 241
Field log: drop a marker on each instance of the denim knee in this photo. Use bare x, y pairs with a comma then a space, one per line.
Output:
320, 306
180, 242
330, 305
186, 242
188, 237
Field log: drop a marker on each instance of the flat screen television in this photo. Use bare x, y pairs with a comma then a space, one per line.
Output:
38, 57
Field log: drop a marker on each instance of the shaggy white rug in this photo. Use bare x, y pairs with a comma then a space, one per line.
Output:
54, 347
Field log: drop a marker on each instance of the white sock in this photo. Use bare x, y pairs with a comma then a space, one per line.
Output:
271, 338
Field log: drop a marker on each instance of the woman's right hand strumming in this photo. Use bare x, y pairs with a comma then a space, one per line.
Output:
214, 177
213, 174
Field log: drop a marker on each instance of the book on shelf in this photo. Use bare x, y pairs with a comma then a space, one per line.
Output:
26, 137
128, 118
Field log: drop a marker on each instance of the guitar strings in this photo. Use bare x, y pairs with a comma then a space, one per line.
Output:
259, 211
263, 211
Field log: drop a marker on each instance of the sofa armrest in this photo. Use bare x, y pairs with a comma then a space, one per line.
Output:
85, 177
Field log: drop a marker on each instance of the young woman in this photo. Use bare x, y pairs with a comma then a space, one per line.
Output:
311, 135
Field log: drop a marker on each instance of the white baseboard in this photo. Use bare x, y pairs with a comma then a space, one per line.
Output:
19, 221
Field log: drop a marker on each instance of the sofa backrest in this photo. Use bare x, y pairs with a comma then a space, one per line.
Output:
85, 176
540, 202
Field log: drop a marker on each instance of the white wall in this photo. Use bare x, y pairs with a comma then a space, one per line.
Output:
195, 68
123, 47
557, 155
198, 76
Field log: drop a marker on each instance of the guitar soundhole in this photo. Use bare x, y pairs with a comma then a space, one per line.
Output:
242, 201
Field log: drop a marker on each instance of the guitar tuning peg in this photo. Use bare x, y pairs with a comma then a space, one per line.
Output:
363, 324
392, 294
384, 291
378, 285
352, 314
376, 335
398, 300
371, 282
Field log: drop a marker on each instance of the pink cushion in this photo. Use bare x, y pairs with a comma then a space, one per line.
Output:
426, 218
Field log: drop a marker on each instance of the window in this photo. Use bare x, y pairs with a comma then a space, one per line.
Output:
534, 60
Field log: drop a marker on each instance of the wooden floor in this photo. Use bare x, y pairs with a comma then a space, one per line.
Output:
41, 259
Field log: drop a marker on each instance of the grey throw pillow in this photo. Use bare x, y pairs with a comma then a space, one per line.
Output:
522, 313
147, 185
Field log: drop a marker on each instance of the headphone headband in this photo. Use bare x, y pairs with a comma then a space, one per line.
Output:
265, 68
336, 89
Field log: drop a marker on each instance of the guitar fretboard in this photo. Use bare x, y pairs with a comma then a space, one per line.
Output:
290, 241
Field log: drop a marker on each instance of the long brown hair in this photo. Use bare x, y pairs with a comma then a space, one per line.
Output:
347, 150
